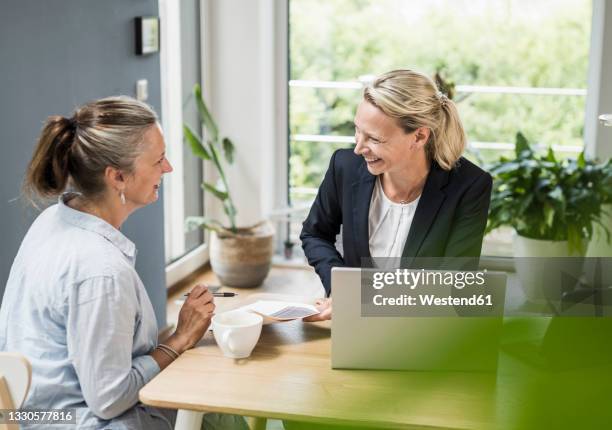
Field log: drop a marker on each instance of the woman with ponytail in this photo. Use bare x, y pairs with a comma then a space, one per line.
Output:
405, 191
74, 304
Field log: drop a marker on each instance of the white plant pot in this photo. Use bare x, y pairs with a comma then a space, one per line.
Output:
541, 268
599, 253
599, 246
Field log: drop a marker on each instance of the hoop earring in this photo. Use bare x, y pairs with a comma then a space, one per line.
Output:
122, 197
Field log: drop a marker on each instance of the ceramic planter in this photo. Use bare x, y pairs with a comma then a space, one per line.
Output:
242, 260
540, 268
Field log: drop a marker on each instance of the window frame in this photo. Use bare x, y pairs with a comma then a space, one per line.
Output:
172, 119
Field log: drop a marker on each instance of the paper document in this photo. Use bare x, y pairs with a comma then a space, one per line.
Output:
275, 311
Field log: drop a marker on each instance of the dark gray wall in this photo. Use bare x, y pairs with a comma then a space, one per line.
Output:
55, 55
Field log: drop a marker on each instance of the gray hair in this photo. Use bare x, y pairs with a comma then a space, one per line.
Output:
77, 150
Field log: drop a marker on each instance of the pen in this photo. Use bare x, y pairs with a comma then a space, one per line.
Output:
218, 294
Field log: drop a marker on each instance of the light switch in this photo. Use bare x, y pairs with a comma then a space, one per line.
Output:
142, 90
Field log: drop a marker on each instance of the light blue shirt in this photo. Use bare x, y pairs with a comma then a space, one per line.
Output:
76, 308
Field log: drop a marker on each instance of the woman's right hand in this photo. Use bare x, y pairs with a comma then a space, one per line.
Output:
194, 319
325, 311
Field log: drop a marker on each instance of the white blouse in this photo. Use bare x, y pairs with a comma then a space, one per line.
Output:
389, 223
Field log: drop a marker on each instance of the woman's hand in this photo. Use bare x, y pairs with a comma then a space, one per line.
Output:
325, 311
194, 319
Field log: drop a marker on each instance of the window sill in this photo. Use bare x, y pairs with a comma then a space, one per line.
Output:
186, 265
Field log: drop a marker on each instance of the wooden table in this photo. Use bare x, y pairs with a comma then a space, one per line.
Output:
289, 377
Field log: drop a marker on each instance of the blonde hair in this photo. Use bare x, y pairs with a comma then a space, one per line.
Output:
415, 101
77, 150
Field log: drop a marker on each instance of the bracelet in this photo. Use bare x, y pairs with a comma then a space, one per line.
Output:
172, 357
168, 350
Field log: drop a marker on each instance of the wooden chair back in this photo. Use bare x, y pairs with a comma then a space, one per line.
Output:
15, 377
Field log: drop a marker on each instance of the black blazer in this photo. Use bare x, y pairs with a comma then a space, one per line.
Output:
449, 221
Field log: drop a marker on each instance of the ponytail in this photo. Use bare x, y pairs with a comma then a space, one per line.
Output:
49, 169
448, 140
77, 150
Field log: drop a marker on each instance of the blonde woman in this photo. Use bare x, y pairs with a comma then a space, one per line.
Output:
74, 304
405, 190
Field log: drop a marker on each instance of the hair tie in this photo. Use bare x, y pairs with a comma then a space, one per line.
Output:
72, 124
442, 98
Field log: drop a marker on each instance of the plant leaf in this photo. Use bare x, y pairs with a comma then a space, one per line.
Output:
228, 150
557, 194
221, 185
215, 158
549, 214
205, 115
550, 156
229, 208
509, 166
195, 143
581, 161
193, 222
220, 194
230, 211
574, 239
521, 144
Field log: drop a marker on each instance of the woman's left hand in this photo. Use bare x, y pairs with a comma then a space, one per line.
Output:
325, 311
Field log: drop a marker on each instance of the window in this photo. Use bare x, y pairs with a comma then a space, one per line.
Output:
180, 70
518, 65
193, 198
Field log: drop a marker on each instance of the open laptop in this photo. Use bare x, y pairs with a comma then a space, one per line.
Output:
456, 343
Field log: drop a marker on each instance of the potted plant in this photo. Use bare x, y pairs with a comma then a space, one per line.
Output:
552, 205
239, 256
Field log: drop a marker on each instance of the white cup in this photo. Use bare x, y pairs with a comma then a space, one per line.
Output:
237, 332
